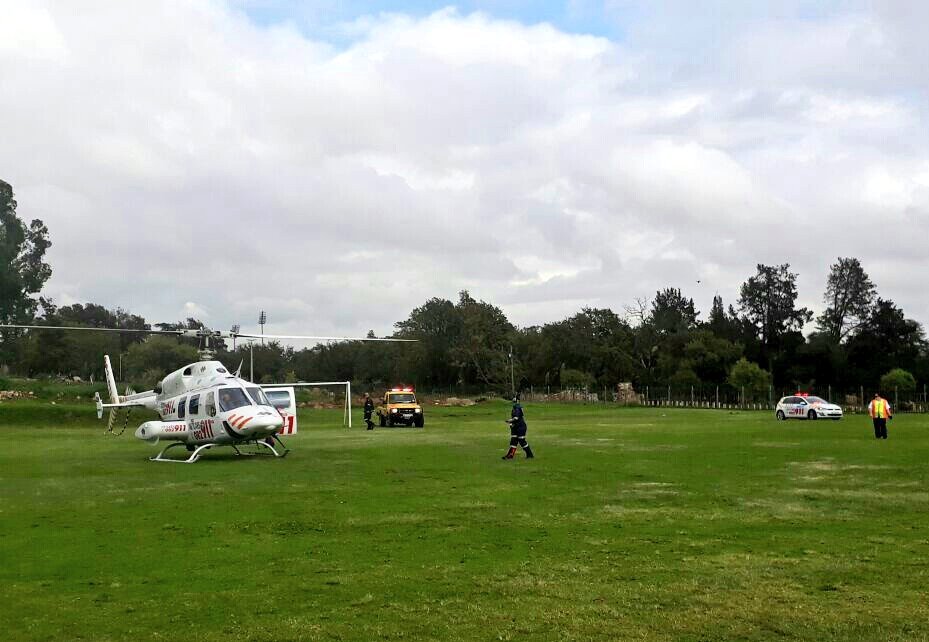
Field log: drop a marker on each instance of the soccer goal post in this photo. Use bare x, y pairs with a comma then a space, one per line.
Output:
347, 387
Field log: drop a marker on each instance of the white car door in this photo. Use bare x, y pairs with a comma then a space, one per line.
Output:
284, 399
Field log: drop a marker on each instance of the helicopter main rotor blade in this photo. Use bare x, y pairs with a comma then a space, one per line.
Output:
80, 327
294, 336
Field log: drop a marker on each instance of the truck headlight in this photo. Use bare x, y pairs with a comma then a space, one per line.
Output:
418, 410
393, 410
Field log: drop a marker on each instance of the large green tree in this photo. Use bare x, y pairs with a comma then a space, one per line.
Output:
595, 341
848, 297
23, 271
672, 312
482, 351
437, 326
767, 302
887, 340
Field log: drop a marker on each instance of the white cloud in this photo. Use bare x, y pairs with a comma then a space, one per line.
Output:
192, 310
28, 33
189, 161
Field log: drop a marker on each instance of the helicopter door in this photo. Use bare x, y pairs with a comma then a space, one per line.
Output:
285, 401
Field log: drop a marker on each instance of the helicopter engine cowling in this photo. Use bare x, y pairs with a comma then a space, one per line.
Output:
153, 431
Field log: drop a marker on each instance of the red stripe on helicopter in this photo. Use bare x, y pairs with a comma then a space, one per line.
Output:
288, 427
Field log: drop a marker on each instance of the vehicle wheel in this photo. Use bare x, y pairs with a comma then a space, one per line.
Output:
419, 422
390, 422
382, 420
811, 415
780, 415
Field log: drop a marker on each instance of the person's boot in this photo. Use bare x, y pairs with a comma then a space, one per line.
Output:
509, 454
529, 454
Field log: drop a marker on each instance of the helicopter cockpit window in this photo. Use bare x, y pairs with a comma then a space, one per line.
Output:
258, 396
232, 398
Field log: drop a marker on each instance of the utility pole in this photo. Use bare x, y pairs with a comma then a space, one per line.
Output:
251, 361
512, 379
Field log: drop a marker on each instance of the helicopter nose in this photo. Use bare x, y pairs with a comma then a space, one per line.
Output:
260, 423
267, 422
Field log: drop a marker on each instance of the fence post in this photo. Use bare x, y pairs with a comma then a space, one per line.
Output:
717, 396
669, 395
742, 398
691, 395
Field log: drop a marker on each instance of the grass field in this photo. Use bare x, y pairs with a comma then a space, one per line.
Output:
631, 524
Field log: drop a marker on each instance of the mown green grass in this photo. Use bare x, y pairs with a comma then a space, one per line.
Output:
631, 524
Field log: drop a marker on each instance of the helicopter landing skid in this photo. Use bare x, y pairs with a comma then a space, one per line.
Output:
195, 455
260, 442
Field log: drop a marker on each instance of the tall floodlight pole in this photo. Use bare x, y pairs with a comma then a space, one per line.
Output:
262, 319
235, 330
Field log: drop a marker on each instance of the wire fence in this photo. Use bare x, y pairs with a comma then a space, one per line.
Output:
728, 397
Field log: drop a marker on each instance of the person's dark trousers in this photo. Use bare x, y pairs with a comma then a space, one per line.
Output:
880, 428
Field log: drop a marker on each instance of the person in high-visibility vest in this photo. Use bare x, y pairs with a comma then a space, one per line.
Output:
879, 409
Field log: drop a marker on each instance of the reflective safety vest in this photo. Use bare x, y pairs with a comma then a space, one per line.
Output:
879, 408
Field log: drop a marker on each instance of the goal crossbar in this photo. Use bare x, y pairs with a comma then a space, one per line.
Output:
347, 409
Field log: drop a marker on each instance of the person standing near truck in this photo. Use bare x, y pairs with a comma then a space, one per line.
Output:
518, 427
369, 410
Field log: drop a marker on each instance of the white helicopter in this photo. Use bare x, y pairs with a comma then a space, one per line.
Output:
204, 405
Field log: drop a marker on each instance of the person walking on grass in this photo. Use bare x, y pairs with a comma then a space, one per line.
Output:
517, 423
369, 410
879, 409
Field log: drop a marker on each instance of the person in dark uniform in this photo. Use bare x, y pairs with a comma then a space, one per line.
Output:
517, 423
369, 410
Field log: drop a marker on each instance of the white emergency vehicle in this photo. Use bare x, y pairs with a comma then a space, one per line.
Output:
805, 406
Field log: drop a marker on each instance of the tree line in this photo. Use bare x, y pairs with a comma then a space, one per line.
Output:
753, 345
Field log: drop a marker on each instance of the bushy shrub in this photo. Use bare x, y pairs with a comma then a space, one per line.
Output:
898, 380
751, 378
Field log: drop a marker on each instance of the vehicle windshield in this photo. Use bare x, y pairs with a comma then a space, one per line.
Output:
405, 397
232, 398
816, 400
258, 396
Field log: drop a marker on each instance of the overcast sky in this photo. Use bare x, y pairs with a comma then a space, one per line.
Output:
337, 167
